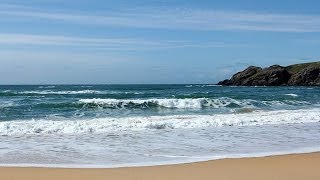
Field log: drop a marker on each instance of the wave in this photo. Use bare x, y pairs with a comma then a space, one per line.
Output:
187, 103
46, 87
103, 125
6, 104
285, 103
235, 105
74, 92
244, 105
293, 95
46, 92
203, 85
61, 92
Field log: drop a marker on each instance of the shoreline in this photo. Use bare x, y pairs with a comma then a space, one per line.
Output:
165, 163
293, 166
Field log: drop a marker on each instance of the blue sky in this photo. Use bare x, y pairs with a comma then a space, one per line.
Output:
151, 41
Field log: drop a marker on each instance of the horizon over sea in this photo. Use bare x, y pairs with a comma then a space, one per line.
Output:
120, 125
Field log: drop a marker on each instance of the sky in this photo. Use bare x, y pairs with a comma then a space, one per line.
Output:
151, 41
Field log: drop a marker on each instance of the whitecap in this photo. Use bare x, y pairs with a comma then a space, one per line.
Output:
187, 103
170, 122
291, 94
61, 92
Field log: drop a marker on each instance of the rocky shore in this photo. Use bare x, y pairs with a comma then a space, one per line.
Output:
307, 74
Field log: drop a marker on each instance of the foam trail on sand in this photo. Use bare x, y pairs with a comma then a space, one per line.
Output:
185, 159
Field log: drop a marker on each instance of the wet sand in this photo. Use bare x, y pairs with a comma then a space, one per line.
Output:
284, 167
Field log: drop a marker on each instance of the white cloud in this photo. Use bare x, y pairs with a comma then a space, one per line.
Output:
188, 19
115, 44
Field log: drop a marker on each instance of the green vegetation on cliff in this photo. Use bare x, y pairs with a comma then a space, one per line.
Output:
306, 74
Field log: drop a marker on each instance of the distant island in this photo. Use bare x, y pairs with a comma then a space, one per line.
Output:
306, 74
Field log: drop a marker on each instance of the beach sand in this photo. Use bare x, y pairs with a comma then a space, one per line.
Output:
284, 167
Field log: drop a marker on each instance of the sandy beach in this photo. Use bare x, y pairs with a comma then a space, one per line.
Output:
291, 167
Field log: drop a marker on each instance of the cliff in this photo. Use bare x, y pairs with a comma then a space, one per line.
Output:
306, 74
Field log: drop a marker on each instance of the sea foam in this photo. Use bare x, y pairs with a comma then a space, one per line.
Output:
103, 125
61, 92
187, 103
291, 94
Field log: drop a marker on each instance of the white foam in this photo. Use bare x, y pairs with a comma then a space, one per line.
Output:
103, 125
170, 103
46, 92
181, 160
293, 95
211, 85
61, 92
5, 104
189, 103
284, 103
46, 87
205, 85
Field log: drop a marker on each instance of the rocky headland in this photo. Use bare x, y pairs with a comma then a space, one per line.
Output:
306, 74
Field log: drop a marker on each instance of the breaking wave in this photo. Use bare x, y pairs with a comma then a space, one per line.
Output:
171, 103
103, 125
187, 103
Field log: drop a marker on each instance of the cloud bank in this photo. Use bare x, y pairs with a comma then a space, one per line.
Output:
182, 19
115, 44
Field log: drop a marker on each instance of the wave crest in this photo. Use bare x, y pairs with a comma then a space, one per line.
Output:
167, 103
103, 125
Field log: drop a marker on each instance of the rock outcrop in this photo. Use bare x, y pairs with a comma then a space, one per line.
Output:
307, 74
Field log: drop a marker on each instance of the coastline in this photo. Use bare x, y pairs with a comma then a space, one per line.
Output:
293, 166
164, 163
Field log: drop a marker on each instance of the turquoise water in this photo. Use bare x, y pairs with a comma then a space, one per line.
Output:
94, 101
125, 125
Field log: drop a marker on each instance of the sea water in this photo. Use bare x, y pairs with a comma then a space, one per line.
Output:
138, 125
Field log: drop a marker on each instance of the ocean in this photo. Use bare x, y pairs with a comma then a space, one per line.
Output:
139, 125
